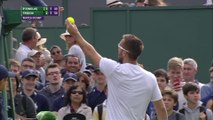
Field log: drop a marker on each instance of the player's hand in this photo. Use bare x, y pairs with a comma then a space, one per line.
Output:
71, 28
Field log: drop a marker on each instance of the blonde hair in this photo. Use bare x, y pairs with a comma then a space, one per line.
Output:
14, 62
175, 63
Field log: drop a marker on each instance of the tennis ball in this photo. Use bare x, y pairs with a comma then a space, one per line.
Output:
71, 20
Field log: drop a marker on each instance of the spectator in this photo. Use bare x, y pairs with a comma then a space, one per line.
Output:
114, 3
140, 3
74, 49
208, 2
83, 81
54, 88
24, 105
190, 71
175, 73
15, 66
208, 102
207, 90
69, 80
97, 95
29, 63
40, 47
162, 79
89, 71
75, 103
154, 3
130, 87
36, 56
57, 55
29, 78
193, 109
4, 74
72, 64
170, 99
29, 41
99, 112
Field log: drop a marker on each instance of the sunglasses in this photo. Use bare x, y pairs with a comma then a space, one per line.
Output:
58, 52
119, 46
79, 92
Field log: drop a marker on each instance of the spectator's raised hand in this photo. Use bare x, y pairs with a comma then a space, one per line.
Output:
177, 86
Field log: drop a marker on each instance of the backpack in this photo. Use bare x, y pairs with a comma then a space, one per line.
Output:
202, 109
100, 111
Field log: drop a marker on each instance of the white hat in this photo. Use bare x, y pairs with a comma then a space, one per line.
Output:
41, 40
62, 36
111, 3
33, 52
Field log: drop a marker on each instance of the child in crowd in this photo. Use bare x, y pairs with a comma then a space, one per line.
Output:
193, 109
170, 99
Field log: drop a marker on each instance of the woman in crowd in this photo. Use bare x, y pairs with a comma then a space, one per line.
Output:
75, 103
83, 81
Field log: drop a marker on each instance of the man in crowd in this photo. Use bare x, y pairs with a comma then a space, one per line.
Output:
71, 64
29, 41
29, 79
54, 88
190, 70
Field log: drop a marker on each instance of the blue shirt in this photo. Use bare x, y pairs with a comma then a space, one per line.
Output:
41, 102
95, 97
206, 99
58, 103
207, 90
51, 96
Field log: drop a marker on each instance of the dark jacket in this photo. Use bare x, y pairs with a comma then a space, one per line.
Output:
24, 106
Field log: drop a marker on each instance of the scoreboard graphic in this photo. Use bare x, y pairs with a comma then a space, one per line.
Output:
38, 13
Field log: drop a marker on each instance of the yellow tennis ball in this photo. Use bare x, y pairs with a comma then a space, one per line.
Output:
71, 20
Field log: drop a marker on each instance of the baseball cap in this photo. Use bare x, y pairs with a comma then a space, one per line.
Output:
4, 73
70, 76
88, 72
74, 116
92, 68
29, 72
33, 52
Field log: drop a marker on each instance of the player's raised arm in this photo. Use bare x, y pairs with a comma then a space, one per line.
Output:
88, 49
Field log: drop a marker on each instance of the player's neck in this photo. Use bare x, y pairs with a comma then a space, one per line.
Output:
127, 60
